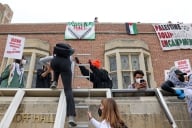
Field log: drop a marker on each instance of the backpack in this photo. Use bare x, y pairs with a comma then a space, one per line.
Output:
105, 79
63, 50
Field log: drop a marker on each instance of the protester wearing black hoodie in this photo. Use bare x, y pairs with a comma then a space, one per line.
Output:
98, 76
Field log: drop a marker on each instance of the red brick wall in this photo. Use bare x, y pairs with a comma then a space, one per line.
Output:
105, 32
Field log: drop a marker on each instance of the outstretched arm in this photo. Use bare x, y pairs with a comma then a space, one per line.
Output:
93, 121
168, 86
86, 72
47, 71
45, 60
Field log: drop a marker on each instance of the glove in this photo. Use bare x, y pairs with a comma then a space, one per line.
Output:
181, 97
180, 94
77, 60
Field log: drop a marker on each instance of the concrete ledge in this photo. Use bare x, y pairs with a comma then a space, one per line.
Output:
46, 92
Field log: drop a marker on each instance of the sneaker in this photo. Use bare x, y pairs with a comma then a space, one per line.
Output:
72, 123
53, 85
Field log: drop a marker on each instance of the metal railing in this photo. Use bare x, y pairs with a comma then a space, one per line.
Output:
19, 94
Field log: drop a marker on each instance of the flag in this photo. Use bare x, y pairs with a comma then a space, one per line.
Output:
131, 28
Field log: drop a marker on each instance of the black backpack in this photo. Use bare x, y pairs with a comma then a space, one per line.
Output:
105, 78
63, 50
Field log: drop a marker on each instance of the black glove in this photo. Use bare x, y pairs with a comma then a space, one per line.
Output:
77, 60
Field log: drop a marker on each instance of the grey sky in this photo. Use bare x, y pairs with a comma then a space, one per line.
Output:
118, 11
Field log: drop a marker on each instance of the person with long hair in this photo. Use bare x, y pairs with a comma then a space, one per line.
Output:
110, 115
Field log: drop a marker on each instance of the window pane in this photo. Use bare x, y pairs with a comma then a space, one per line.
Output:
112, 62
135, 62
146, 63
124, 62
28, 58
148, 80
126, 79
114, 80
34, 80
25, 78
37, 64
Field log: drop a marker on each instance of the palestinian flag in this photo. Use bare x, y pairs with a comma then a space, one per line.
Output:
131, 28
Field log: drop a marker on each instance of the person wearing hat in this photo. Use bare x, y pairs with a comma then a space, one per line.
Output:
98, 76
176, 78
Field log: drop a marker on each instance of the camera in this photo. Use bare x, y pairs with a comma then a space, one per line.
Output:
140, 80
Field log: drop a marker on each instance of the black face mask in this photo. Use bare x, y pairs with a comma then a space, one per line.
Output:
99, 112
181, 78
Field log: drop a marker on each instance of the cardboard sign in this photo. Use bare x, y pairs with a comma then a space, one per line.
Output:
14, 47
183, 65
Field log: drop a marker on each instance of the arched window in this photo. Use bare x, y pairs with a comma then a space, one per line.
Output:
123, 57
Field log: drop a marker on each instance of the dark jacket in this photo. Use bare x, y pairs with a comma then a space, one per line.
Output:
99, 77
168, 86
173, 81
43, 82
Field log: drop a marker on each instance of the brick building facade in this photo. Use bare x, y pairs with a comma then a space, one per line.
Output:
106, 33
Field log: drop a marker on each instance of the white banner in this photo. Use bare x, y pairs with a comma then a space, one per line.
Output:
174, 36
14, 47
80, 30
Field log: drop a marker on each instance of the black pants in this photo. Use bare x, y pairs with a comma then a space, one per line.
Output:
62, 65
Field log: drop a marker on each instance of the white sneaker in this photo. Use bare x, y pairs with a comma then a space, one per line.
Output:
71, 121
53, 85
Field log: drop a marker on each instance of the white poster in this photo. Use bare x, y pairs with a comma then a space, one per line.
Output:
14, 47
183, 65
